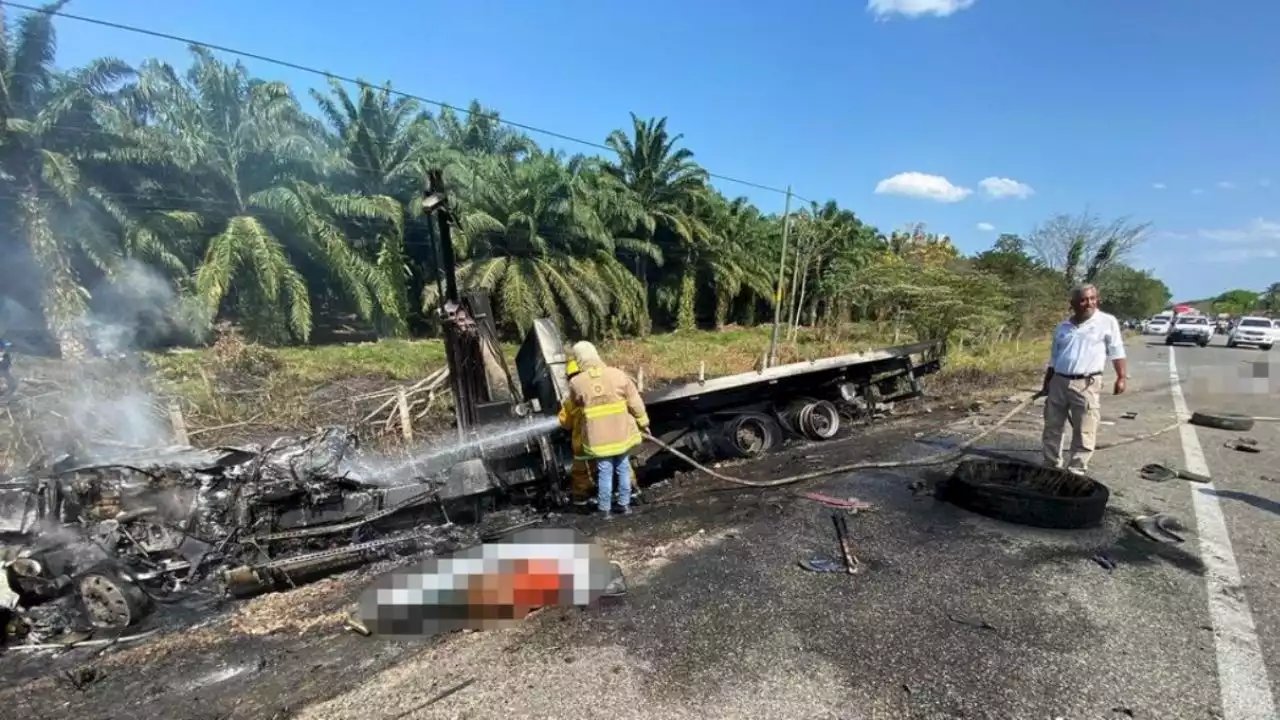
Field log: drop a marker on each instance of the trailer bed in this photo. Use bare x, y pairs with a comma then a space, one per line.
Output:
811, 370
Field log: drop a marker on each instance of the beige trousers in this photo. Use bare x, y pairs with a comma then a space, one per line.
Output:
1077, 402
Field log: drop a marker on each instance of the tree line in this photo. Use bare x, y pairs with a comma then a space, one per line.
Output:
249, 209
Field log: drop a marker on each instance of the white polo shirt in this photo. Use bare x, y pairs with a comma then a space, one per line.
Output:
1084, 349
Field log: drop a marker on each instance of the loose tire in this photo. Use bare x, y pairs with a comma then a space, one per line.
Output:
1014, 492
1222, 421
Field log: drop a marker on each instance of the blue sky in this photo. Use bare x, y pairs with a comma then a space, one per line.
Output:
1165, 110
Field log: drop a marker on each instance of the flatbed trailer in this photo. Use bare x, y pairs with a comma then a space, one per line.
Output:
751, 413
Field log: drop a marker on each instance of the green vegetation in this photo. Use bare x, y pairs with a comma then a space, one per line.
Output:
236, 390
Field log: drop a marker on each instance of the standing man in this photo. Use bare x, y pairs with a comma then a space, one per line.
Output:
1082, 344
604, 407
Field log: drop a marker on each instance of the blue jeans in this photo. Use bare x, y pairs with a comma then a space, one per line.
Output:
605, 468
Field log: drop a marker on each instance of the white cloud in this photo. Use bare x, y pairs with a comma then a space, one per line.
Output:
916, 8
1226, 185
1197, 191
1239, 255
920, 185
986, 227
1259, 231
998, 188
1159, 186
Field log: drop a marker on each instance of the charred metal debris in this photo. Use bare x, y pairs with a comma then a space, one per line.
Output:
100, 544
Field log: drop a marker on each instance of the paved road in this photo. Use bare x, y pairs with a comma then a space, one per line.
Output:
957, 615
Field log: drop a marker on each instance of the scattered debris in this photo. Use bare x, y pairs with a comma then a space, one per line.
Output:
1130, 415
822, 565
1243, 444
1159, 528
979, 624
842, 537
1105, 562
435, 699
852, 503
1156, 472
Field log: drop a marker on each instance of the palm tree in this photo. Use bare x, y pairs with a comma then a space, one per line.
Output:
532, 238
669, 186
481, 133
250, 158
735, 257
42, 174
384, 145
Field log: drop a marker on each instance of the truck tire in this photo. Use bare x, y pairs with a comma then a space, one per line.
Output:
1203, 343
1168, 340
1231, 344
1266, 348
1222, 421
109, 599
1016, 492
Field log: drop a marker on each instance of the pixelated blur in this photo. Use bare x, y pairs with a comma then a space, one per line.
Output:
489, 586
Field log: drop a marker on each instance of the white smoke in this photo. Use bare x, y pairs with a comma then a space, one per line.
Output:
106, 405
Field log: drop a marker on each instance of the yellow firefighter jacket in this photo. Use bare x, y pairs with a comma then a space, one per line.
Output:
605, 411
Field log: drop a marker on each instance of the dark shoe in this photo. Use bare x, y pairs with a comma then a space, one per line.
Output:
602, 514
622, 509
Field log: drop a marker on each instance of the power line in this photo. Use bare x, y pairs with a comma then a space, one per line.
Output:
359, 83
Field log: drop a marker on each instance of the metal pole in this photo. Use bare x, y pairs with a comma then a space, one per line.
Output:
782, 269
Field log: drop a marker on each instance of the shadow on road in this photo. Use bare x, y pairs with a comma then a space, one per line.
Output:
1261, 503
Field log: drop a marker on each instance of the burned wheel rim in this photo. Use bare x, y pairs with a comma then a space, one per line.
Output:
750, 435
818, 420
110, 601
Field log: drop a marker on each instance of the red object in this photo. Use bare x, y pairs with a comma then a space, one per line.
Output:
1179, 309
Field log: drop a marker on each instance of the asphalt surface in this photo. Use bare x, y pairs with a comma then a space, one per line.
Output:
954, 615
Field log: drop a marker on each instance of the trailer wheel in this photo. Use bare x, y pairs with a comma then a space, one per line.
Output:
750, 435
816, 420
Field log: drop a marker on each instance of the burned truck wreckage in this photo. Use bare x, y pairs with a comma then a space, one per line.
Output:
117, 536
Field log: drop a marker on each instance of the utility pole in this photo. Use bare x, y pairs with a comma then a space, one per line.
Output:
782, 269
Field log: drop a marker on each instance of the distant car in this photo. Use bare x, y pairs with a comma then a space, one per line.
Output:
1158, 326
1256, 331
1190, 329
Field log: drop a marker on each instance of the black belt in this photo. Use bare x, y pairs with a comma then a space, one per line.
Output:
1090, 376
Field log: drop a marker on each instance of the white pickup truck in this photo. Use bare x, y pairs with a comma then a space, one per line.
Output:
1190, 329
1257, 331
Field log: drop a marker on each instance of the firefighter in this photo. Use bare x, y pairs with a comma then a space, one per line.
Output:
605, 411
582, 476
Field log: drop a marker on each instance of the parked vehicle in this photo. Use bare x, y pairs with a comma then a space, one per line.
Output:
1158, 325
1190, 329
1257, 331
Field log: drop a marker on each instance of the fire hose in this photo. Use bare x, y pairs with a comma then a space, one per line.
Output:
941, 458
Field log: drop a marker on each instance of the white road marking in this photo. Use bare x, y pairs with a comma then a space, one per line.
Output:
1242, 674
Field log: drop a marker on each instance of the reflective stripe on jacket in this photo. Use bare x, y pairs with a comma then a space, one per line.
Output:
605, 411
